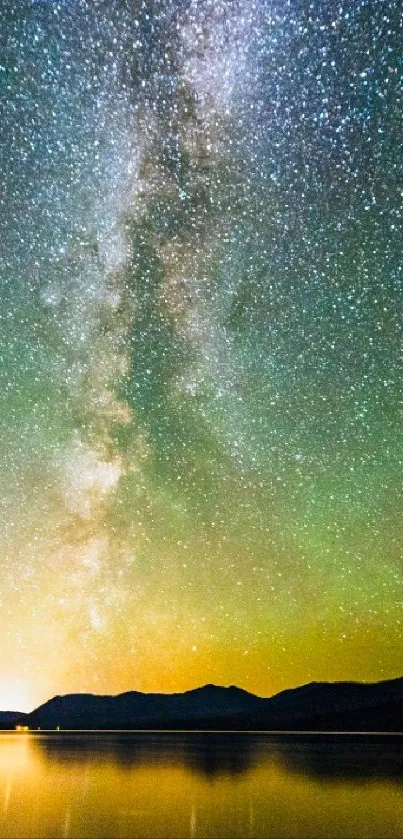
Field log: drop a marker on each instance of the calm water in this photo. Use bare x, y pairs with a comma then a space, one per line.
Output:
200, 785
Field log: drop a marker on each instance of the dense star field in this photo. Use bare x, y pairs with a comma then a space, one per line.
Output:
201, 344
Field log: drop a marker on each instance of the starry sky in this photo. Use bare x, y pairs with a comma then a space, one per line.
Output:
200, 344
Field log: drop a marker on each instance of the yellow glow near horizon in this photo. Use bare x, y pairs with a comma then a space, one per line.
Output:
15, 695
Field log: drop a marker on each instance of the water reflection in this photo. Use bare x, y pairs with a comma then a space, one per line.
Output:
200, 785
327, 757
345, 757
209, 754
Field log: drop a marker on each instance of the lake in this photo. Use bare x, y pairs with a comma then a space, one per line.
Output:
201, 785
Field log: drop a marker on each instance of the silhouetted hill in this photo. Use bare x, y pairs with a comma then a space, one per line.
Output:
194, 708
9, 719
323, 706
339, 706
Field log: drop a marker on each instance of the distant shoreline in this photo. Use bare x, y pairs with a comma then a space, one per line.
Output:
221, 731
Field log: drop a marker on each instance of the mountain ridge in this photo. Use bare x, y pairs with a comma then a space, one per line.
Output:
338, 706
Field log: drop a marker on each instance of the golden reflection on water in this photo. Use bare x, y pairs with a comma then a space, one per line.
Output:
191, 785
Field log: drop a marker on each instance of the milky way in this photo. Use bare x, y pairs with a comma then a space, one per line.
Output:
201, 344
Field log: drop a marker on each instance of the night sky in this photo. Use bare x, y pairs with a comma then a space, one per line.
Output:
201, 344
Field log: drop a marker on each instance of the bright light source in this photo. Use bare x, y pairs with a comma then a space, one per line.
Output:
15, 695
